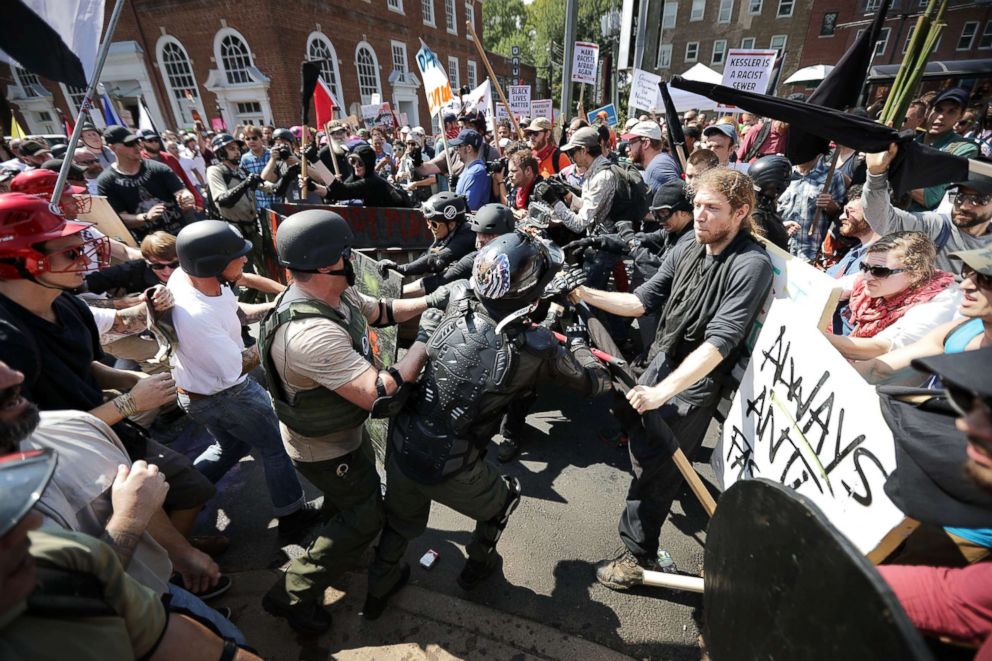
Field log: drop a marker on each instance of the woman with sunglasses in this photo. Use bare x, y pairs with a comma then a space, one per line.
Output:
899, 297
364, 184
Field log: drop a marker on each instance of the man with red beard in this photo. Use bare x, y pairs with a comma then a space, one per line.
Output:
967, 227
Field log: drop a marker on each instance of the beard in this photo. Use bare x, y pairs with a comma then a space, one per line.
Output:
855, 228
12, 433
965, 219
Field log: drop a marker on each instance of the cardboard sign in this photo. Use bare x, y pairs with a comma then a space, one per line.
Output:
107, 221
585, 62
436, 85
644, 92
541, 108
611, 115
749, 70
519, 98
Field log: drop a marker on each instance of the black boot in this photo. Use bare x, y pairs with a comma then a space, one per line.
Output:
307, 617
374, 606
293, 526
474, 572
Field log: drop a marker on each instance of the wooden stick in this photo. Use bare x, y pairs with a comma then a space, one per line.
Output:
660, 579
494, 82
303, 163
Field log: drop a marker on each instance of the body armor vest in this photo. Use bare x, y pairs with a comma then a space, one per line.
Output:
318, 411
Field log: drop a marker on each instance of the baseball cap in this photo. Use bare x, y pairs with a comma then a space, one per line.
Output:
646, 129
725, 129
979, 259
116, 134
469, 137
450, 117
630, 123
971, 370
671, 195
958, 95
149, 134
587, 136
23, 478
978, 182
75, 171
538, 124
32, 147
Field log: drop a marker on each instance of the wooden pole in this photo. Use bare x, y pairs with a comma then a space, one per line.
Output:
826, 189
493, 81
303, 163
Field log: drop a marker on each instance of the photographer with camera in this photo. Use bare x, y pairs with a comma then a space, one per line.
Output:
419, 186
283, 169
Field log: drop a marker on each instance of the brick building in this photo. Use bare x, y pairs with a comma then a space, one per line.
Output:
680, 33
963, 55
241, 60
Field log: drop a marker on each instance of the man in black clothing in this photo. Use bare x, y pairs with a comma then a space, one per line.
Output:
771, 175
445, 214
710, 291
364, 184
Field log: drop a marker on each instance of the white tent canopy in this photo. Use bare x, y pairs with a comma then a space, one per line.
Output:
687, 100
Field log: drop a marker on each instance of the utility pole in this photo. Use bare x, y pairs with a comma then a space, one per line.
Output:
571, 12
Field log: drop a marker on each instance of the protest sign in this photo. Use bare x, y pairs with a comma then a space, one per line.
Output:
585, 61
436, 85
107, 221
480, 99
541, 108
812, 293
518, 97
644, 93
804, 418
749, 69
611, 115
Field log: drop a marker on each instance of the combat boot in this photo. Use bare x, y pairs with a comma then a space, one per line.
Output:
306, 617
474, 572
624, 571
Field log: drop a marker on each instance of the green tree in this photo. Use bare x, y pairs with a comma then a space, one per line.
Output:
505, 25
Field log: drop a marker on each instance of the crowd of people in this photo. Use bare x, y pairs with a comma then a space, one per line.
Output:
537, 230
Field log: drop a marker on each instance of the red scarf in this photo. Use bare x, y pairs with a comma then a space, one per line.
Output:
870, 316
522, 196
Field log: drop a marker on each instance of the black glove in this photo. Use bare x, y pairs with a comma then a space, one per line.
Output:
577, 334
254, 181
417, 158
546, 193
437, 262
438, 299
606, 242
384, 267
564, 282
311, 152
430, 319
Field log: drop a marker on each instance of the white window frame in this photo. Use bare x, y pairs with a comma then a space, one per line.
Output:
668, 18
27, 81
471, 74
332, 59
451, 16
454, 76
428, 15
882, 43
726, 13
695, 57
395, 6
175, 102
754, 7
664, 58
785, 42
469, 17
986, 34
722, 52
791, 4
909, 38
971, 38
872, 6
219, 38
405, 64
697, 11
747, 42
367, 98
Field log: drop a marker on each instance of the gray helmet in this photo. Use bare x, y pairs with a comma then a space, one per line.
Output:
446, 206
492, 219
311, 239
515, 267
221, 140
284, 134
771, 174
206, 247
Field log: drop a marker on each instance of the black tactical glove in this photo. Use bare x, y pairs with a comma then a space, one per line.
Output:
386, 265
430, 319
311, 152
437, 262
439, 298
546, 193
254, 181
577, 334
564, 282
606, 242
417, 158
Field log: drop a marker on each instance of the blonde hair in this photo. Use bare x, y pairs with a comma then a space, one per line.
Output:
915, 250
159, 245
737, 187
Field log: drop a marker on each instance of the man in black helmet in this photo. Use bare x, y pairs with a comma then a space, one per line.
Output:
771, 175
317, 353
484, 353
445, 215
211, 365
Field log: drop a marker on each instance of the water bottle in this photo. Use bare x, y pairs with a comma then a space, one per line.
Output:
666, 563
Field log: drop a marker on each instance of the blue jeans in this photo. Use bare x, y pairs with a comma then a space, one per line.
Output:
241, 418
184, 599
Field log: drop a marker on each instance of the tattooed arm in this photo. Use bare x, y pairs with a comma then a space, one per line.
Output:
253, 312
250, 359
136, 495
130, 320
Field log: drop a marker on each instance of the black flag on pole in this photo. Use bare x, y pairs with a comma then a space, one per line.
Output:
310, 73
33, 43
676, 136
916, 165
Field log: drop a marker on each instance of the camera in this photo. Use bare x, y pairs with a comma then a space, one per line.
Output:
499, 165
282, 153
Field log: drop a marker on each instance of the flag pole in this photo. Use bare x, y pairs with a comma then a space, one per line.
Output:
494, 81
77, 130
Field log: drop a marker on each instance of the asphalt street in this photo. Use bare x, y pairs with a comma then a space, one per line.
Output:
574, 483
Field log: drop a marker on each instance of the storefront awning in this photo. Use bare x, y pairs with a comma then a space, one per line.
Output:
934, 70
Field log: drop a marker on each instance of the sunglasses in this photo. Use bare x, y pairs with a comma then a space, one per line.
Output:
251, 138
161, 267
964, 401
355, 161
974, 199
981, 280
93, 253
89, 162
661, 215
879, 272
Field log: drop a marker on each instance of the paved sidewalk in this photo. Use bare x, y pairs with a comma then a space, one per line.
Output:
419, 624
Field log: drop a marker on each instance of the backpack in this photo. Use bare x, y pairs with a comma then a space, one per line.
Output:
555, 160
631, 199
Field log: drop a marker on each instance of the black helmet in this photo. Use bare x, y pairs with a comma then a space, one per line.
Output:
446, 206
309, 240
515, 268
492, 219
220, 141
206, 247
284, 134
771, 175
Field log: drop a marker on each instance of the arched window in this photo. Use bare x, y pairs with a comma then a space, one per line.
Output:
368, 71
177, 71
234, 57
320, 48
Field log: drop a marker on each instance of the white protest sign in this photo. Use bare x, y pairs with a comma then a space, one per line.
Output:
501, 113
749, 70
813, 293
803, 417
585, 62
518, 97
541, 108
644, 92
436, 85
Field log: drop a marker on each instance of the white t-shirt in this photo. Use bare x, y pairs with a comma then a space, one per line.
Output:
104, 318
921, 319
208, 359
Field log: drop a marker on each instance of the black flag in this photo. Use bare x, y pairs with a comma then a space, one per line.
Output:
676, 137
916, 165
310, 72
33, 43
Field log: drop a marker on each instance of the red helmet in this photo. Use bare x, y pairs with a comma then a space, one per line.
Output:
27, 221
41, 182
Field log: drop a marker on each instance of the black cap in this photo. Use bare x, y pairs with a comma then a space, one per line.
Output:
115, 135
971, 370
958, 95
32, 147
149, 134
671, 195
23, 478
981, 183
89, 126
55, 165
468, 137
